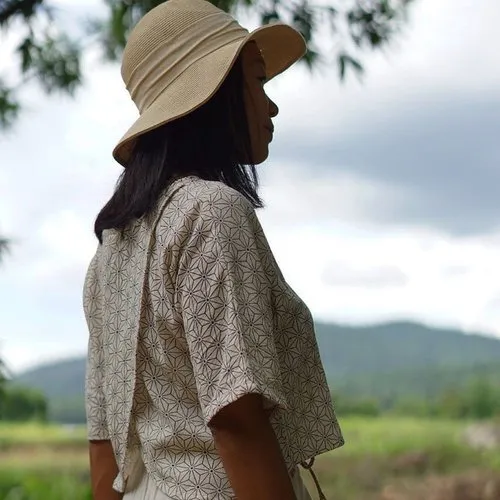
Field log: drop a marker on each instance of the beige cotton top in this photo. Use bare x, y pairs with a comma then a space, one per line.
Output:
187, 312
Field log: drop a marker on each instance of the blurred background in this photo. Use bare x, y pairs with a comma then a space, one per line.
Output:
381, 207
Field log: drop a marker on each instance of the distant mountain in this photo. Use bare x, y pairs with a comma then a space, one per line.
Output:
61, 379
62, 383
388, 387
382, 361
349, 351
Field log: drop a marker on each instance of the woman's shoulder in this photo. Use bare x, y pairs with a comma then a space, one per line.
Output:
213, 198
194, 204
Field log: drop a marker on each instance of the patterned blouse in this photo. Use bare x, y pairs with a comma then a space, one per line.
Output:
187, 312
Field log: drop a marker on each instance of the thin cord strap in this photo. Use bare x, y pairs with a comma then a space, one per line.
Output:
308, 466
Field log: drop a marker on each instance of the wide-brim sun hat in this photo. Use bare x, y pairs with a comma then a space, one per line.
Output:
180, 52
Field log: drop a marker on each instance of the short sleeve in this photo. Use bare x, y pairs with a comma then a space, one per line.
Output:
224, 294
95, 402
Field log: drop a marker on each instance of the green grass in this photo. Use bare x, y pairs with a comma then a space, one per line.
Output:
37, 433
51, 463
20, 485
374, 448
390, 437
393, 435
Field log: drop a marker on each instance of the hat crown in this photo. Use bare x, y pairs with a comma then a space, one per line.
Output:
168, 39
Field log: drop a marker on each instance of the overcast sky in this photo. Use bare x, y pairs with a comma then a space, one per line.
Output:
382, 196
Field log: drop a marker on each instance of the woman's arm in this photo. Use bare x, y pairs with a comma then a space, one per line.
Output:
250, 451
103, 471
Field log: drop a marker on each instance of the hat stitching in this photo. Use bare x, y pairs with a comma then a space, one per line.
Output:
189, 27
172, 80
210, 38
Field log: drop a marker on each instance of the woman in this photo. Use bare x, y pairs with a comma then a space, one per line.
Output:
204, 379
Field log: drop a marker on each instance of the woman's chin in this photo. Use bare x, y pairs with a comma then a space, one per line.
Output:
261, 157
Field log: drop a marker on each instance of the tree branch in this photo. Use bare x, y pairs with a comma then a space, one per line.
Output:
11, 8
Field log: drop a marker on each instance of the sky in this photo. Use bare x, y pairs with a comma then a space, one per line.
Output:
381, 194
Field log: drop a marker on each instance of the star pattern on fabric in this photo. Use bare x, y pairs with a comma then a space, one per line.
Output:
188, 312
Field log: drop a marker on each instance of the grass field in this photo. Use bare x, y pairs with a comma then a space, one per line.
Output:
381, 457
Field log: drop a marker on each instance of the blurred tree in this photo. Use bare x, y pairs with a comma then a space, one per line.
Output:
483, 399
3, 377
4, 246
51, 56
346, 406
19, 404
480, 399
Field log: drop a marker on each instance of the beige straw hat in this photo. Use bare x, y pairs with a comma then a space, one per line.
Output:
178, 55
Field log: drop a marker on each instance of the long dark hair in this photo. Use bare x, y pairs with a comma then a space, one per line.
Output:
212, 142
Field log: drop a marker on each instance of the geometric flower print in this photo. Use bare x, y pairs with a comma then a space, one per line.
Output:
187, 312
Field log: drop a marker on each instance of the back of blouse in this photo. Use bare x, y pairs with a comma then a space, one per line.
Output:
187, 313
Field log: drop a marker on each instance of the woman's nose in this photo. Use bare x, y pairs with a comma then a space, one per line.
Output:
273, 109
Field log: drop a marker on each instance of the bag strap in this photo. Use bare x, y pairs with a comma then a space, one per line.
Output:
308, 466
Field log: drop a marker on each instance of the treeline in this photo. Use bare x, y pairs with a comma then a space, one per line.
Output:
427, 384
480, 399
20, 404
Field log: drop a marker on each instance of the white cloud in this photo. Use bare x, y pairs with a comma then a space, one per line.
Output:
425, 291
298, 194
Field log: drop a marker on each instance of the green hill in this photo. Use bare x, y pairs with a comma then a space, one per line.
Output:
418, 383
384, 362
351, 351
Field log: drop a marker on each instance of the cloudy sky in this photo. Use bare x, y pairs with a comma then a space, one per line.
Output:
382, 196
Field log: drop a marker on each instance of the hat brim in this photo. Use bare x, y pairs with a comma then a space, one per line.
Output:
280, 45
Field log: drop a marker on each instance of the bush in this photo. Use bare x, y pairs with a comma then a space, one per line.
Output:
18, 404
24, 486
360, 407
480, 400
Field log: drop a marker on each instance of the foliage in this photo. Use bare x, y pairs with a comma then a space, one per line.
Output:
22, 404
51, 55
365, 23
480, 400
3, 375
32, 486
477, 400
348, 406
63, 384
40, 434
418, 388
70, 410
398, 348
4, 243
378, 452
45, 53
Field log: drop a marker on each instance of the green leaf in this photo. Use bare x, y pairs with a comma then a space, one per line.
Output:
118, 24
9, 110
346, 61
25, 49
269, 16
9, 9
56, 62
304, 20
225, 5
311, 58
331, 15
386, 9
4, 248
